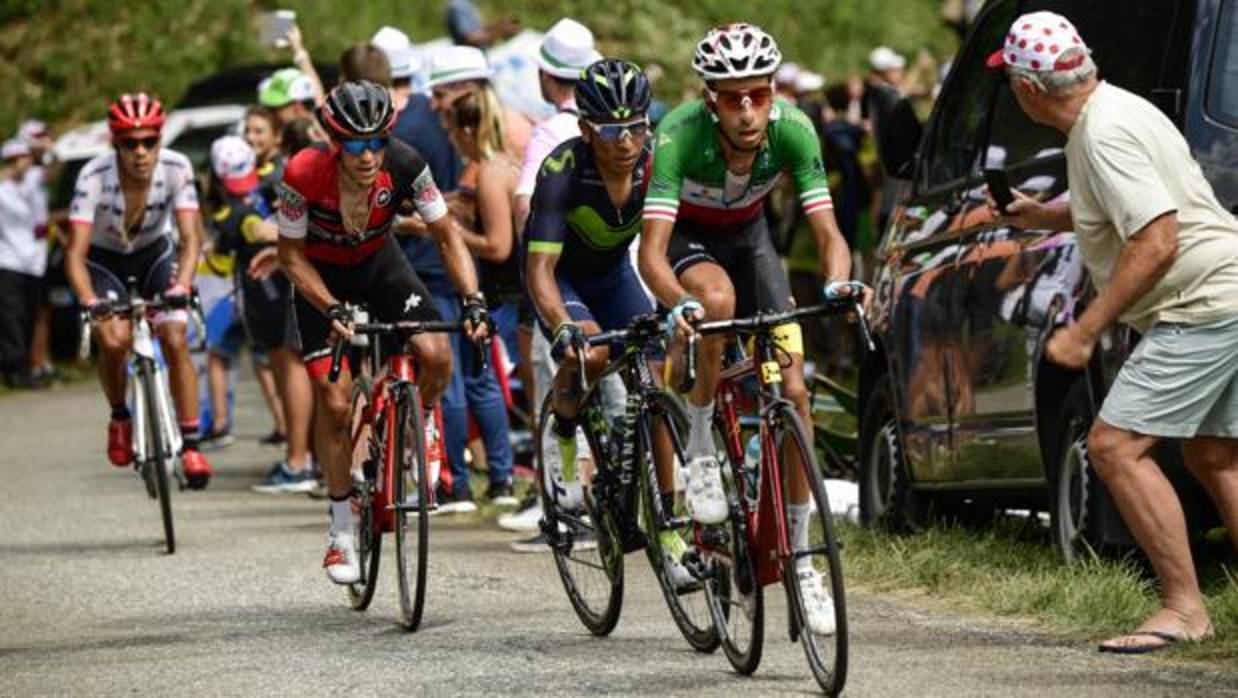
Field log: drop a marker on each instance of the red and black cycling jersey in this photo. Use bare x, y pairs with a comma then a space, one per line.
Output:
309, 201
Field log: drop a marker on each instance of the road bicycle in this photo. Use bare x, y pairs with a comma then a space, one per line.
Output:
395, 460
156, 435
754, 548
623, 509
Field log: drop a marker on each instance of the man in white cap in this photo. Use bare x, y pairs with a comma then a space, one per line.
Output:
1163, 255
566, 50
887, 65
455, 70
23, 259
416, 123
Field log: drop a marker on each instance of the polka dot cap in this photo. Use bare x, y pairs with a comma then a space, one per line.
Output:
1036, 41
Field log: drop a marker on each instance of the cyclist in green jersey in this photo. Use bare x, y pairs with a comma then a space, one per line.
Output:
705, 250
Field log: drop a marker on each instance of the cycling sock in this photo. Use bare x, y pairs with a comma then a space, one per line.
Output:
341, 516
189, 435
700, 436
565, 430
800, 515
121, 412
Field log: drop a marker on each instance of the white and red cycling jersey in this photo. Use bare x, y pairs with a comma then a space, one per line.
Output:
309, 202
99, 202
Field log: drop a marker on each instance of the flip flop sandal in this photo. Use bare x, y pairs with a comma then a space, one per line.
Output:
1167, 640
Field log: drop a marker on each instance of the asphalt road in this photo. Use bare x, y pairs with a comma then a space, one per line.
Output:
91, 605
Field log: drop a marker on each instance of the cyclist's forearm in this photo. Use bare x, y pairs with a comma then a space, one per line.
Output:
303, 275
545, 291
75, 263
832, 248
654, 269
455, 254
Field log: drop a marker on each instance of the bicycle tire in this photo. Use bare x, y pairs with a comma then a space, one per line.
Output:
743, 637
412, 524
159, 459
826, 654
592, 578
690, 609
369, 537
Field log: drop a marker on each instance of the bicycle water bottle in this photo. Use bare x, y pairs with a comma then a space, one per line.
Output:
752, 466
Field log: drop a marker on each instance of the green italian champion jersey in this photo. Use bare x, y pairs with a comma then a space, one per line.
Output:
690, 181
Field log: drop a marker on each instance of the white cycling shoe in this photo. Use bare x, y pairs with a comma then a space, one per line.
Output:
818, 606
705, 498
673, 549
341, 560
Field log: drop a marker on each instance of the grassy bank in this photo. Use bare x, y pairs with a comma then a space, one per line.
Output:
63, 59
1008, 572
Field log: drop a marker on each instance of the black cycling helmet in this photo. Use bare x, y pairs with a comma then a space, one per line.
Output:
357, 108
613, 90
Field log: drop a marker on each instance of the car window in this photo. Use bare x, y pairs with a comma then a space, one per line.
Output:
1223, 85
960, 114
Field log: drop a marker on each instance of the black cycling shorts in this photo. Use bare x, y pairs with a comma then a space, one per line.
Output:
384, 283
747, 255
152, 268
266, 310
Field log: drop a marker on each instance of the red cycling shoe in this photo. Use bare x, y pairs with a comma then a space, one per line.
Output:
197, 470
120, 442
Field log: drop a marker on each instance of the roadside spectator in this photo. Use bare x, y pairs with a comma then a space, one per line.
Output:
784, 80
289, 94
465, 26
46, 169
300, 133
1163, 255
458, 69
23, 259
365, 61
882, 91
416, 123
262, 134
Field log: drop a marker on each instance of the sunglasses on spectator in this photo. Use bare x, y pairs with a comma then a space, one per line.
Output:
613, 133
132, 144
756, 98
357, 146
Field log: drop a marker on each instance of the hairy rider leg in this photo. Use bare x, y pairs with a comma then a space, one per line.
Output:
333, 442
115, 337
184, 377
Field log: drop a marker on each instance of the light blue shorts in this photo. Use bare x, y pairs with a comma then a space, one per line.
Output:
1181, 381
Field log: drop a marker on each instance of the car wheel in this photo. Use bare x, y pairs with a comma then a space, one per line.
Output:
887, 499
1070, 478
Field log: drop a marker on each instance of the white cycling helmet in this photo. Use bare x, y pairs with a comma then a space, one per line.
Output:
736, 51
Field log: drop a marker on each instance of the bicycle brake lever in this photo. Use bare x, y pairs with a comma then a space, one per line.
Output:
865, 331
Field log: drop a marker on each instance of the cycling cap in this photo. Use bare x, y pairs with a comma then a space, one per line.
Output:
284, 87
613, 90
736, 51
357, 108
234, 163
457, 64
1041, 41
134, 111
399, 50
567, 50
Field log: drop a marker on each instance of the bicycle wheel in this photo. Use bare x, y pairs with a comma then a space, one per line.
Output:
368, 536
736, 600
826, 651
159, 458
688, 605
411, 496
588, 557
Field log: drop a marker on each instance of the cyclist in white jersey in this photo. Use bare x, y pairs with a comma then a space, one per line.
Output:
121, 227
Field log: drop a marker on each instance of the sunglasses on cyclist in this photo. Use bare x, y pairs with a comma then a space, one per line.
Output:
613, 133
756, 98
357, 146
132, 144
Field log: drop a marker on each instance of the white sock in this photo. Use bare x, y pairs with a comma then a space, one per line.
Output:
700, 429
800, 514
341, 517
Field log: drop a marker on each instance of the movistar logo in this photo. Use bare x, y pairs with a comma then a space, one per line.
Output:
554, 165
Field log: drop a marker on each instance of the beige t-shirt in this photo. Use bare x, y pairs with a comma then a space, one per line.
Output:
1128, 164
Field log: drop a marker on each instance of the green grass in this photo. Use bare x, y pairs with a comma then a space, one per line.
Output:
63, 59
999, 570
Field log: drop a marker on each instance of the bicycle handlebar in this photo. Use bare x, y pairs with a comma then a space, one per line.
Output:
135, 305
406, 327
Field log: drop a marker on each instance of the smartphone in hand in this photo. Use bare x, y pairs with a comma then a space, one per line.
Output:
999, 188
275, 26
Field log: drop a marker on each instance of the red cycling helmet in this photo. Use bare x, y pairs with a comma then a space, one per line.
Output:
134, 111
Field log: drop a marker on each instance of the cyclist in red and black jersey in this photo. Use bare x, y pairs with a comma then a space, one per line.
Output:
338, 205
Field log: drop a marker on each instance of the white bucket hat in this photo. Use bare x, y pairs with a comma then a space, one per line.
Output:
885, 58
567, 49
457, 64
399, 50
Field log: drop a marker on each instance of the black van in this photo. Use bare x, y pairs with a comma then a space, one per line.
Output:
958, 408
